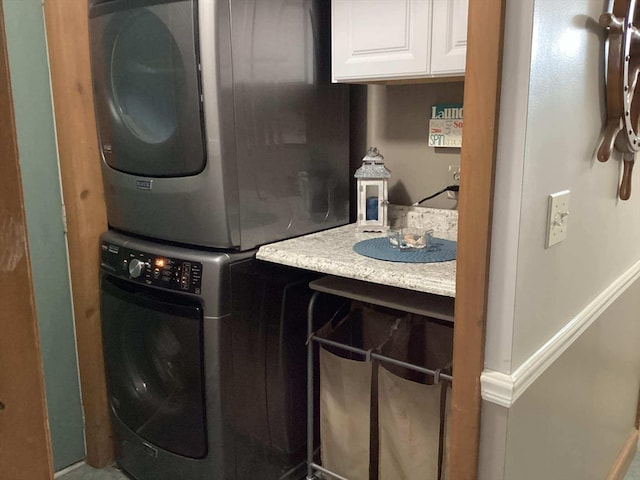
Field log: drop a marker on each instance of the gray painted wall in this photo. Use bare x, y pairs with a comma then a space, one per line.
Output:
28, 64
578, 415
398, 124
573, 420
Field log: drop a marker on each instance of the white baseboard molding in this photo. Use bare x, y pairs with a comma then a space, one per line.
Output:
504, 389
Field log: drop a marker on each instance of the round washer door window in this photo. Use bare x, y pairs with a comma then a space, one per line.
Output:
153, 351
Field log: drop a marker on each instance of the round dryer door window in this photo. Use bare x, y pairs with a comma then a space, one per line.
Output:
147, 78
145, 71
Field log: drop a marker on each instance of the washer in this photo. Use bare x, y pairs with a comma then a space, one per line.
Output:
205, 361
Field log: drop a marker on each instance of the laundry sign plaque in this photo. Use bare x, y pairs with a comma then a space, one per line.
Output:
445, 125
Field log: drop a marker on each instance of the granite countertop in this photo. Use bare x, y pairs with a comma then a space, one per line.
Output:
331, 252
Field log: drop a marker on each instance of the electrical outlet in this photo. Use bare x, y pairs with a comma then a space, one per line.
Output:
454, 171
557, 216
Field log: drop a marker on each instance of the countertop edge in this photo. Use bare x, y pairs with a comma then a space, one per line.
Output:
418, 283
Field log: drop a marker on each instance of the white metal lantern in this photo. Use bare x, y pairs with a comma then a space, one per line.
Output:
372, 190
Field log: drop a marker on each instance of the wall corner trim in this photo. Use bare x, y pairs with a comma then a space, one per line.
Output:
504, 389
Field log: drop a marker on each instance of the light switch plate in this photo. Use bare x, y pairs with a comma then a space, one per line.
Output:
557, 217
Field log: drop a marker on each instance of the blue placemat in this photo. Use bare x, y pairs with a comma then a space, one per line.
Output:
440, 250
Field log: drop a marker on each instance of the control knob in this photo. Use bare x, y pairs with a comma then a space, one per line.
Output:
136, 267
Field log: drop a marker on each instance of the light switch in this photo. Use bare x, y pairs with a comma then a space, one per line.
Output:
557, 217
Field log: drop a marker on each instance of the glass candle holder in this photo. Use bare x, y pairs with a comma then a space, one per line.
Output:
410, 238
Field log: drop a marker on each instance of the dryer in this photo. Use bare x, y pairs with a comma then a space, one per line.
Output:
218, 123
205, 362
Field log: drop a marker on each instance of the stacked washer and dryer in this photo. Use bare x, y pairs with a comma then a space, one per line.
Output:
219, 131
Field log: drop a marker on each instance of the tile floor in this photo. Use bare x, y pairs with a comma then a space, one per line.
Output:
85, 472
634, 469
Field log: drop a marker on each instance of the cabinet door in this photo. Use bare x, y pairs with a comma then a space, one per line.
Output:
449, 37
380, 39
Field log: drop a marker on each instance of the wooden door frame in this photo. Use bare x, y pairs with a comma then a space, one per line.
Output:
67, 34
479, 148
68, 42
23, 411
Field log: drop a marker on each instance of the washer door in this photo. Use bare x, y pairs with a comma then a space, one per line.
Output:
146, 82
153, 361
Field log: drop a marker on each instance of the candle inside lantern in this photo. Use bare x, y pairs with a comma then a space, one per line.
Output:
372, 208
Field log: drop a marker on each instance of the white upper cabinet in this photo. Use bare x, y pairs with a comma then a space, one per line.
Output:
449, 36
397, 39
374, 39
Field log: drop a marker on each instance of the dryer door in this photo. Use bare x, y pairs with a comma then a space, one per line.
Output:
146, 84
153, 362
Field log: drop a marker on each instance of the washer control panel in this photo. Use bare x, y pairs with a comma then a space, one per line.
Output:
158, 271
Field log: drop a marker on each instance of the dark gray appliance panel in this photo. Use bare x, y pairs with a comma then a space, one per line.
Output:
292, 128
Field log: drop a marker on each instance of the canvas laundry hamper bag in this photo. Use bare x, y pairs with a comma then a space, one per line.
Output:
413, 412
347, 386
